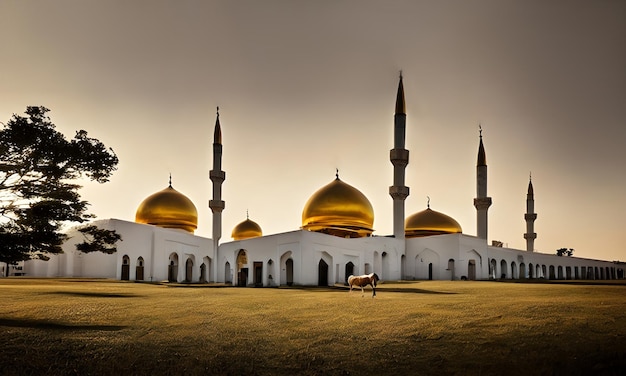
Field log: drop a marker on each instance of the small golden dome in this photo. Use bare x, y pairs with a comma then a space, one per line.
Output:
339, 209
169, 209
246, 229
429, 222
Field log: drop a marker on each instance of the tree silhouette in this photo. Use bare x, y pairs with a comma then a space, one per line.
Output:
39, 168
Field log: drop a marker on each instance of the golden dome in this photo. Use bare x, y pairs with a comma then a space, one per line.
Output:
169, 209
246, 229
338, 209
429, 222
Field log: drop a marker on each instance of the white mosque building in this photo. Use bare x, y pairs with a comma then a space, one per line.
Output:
334, 241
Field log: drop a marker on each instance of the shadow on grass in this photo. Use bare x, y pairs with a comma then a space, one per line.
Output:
379, 289
92, 294
414, 291
44, 324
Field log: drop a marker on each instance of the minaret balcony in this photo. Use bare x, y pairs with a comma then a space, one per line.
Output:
530, 216
217, 176
482, 203
399, 157
217, 205
398, 192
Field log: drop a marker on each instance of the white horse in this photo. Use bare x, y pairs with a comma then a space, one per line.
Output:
364, 280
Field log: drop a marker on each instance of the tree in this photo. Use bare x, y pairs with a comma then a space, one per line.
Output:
564, 251
39, 168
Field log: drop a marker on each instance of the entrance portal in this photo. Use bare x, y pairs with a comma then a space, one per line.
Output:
471, 270
349, 271
242, 278
258, 274
289, 266
125, 268
322, 279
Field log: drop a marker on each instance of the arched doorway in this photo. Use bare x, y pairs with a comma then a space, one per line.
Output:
289, 271
139, 269
208, 273
189, 270
503, 269
203, 272
242, 272
492, 269
531, 273
258, 274
471, 270
522, 271
172, 268
349, 271
322, 273
385, 264
125, 268
228, 278
451, 268
270, 272
430, 271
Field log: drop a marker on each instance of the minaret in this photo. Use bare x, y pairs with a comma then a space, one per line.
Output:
399, 157
530, 217
481, 202
217, 177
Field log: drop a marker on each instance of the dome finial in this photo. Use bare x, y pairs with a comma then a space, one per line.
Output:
480, 130
530, 176
428, 201
337, 173
170, 180
247, 214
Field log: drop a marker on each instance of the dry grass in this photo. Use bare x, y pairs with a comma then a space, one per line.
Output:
66, 327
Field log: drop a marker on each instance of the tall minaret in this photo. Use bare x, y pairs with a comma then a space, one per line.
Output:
217, 177
481, 202
530, 217
399, 157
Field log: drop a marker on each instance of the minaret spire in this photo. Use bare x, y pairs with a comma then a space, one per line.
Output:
217, 177
481, 202
530, 217
399, 157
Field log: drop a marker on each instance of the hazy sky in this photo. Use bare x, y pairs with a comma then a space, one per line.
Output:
305, 87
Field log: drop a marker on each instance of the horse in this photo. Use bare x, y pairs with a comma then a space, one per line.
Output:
364, 280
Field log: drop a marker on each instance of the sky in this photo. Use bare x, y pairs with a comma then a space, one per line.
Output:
305, 87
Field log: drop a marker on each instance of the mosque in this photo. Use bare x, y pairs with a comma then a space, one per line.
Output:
335, 240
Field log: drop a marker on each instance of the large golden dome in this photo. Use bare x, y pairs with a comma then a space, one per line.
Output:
169, 209
246, 229
429, 222
339, 209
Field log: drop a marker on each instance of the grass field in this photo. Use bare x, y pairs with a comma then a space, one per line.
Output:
101, 327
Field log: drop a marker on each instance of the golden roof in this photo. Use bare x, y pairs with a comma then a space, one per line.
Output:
338, 209
429, 222
246, 229
169, 209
